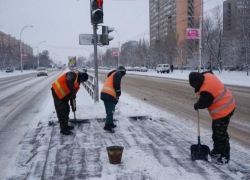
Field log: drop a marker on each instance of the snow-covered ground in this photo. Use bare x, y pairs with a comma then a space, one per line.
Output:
138, 160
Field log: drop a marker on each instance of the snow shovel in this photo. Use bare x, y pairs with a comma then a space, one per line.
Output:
199, 151
73, 106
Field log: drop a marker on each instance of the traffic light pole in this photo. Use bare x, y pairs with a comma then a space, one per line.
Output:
96, 65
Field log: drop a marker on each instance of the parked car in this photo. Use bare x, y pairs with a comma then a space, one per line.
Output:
9, 69
42, 71
137, 68
233, 68
162, 68
84, 69
129, 68
144, 69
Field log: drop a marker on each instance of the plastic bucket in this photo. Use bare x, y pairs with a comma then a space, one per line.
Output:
115, 154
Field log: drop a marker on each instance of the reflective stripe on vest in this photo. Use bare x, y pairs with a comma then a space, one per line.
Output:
224, 102
109, 86
109, 89
222, 95
60, 86
222, 107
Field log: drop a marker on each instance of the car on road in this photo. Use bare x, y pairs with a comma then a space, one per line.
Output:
129, 68
136, 68
144, 69
84, 69
162, 68
9, 69
42, 71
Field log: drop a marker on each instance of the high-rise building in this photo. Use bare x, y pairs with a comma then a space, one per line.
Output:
233, 12
174, 15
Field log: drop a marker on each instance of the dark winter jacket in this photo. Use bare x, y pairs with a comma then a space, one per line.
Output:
117, 85
196, 80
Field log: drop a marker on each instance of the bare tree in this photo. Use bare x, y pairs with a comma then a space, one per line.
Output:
212, 38
244, 35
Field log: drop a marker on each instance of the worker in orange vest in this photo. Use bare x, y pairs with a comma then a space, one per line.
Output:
64, 89
110, 94
220, 103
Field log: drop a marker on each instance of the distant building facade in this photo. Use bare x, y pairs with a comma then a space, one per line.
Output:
175, 15
233, 12
7, 41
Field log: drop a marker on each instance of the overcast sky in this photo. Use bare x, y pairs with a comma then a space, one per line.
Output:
59, 23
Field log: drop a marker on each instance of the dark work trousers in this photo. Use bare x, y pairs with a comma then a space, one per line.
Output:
62, 108
220, 135
110, 109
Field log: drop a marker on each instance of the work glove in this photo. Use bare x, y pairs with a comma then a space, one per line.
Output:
118, 93
73, 96
195, 106
117, 99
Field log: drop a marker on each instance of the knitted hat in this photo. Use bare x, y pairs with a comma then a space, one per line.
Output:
195, 80
83, 76
122, 70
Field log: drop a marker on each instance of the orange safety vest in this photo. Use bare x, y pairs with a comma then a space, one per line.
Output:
60, 86
224, 102
109, 86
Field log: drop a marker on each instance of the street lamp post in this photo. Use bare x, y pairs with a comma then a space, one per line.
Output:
21, 46
118, 48
38, 53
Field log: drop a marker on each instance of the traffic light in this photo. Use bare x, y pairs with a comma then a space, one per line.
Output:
105, 38
96, 11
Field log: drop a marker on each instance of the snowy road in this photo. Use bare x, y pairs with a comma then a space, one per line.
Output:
20, 97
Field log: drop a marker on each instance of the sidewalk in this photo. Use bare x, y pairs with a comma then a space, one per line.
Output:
156, 148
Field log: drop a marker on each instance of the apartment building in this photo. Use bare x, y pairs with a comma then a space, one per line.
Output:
234, 11
7, 40
175, 15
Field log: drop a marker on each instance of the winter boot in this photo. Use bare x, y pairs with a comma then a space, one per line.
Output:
109, 128
64, 129
225, 156
70, 127
215, 154
222, 160
113, 125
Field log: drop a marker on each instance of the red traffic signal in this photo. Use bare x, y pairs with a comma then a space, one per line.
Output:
100, 2
96, 11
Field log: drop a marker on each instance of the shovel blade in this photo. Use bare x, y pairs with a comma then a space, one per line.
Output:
199, 152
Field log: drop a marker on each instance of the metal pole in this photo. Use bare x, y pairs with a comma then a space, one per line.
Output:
199, 62
37, 56
119, 53
96, 65
21, 47
118, 48
21, 52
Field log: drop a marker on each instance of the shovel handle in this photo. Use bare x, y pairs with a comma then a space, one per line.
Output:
75, 115
74, 105
198, 123
198, 117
